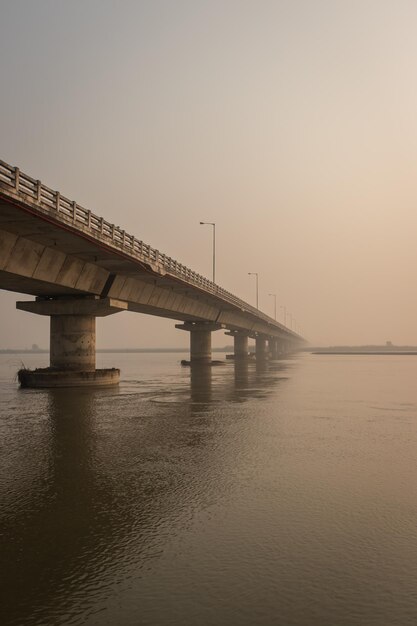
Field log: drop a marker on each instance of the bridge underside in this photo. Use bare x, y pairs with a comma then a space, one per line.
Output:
71, 267
66, 265
29, 286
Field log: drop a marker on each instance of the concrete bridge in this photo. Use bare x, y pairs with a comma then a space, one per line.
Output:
79, 267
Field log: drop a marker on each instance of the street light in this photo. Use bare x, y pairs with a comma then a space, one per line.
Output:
257, 287
214, 246
285, 314
274, 295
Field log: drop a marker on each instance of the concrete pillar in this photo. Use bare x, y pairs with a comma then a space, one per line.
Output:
261, 347
200, 345
200, 339
273, 347
240, 339
73, 342
241, 346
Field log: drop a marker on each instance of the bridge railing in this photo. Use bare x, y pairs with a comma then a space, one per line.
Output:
70, 212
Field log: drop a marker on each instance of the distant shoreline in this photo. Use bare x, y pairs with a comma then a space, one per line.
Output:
365, 352
114, 350
386, 349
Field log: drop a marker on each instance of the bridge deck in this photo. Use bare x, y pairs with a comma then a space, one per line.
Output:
37, 213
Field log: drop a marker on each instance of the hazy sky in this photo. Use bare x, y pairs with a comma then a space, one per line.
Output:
291, 124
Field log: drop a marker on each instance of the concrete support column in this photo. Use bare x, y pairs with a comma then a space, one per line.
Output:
200, 339
73, 342
240, 339
261, 347
200, 345
273, 347
241, 346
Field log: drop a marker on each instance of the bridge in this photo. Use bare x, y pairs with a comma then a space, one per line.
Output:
79, 267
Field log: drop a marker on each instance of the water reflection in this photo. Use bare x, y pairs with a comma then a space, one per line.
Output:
51, 533
76, 526
200, 386
241, 371
262, 366
236, 381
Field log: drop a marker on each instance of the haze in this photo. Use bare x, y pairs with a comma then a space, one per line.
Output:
291, 124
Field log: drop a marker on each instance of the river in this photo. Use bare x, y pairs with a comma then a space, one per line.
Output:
276, 494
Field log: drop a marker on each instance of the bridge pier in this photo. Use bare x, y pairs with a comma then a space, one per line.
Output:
260, 347
273, 347
200, 340
287, 348
240, 340
72, 342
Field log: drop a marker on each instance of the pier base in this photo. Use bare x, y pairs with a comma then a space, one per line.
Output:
72, 343
48, 378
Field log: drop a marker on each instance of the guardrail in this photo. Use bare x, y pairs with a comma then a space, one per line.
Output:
69, 211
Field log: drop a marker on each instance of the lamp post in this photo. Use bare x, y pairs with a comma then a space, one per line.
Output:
285, 314
257, 287
214, 246
274, 295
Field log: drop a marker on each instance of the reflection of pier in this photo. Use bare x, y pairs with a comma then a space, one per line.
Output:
200, 386
103, 487
63, 513
237, 381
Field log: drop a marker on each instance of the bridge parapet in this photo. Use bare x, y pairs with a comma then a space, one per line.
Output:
26, 190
